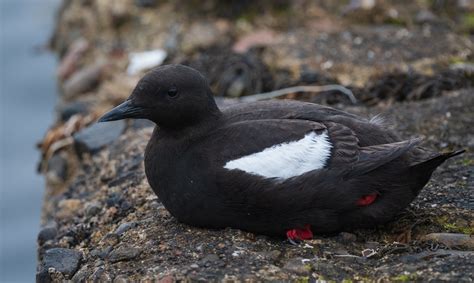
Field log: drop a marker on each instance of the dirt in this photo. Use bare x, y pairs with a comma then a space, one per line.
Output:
419, 75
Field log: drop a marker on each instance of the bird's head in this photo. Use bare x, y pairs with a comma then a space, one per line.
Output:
172, 96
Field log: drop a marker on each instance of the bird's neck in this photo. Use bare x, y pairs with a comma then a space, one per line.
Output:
192, 131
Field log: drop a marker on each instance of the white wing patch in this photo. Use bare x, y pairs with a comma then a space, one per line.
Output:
287, 160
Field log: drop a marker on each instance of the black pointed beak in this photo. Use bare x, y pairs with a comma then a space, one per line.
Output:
123, 111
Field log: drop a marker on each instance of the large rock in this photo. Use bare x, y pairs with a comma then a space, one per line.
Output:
98, 135
84, 80
451, 240
124, 253
65, 261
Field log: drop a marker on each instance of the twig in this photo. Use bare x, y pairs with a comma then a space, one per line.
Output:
276, 93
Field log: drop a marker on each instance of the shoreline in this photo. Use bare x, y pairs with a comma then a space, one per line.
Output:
101, 221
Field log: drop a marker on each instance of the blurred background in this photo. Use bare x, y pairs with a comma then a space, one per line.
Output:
28, 96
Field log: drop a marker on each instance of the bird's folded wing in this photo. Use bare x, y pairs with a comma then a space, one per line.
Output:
282, 148
285, 148
372, 157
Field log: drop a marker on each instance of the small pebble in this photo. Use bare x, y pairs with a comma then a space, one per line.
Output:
93, 208
57, 169
125, 227
123, 253
68, 208
47, 233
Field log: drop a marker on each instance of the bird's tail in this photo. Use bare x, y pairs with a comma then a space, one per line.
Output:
425, 168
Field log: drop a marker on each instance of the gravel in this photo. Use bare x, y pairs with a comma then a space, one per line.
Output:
110, 225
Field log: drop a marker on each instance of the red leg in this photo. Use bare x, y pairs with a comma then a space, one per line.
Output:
300, 234
367, 200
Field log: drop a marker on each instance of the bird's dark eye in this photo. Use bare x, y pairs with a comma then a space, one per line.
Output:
172, 92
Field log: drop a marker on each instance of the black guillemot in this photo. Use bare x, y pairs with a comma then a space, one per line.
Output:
274, 167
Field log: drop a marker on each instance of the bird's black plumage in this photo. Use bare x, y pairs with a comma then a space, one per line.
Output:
185, 160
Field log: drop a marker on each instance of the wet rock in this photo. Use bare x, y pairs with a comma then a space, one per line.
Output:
98, 135
298, 266
71, 109
84, 80
125, 227
65, 261
57, 169
123, 253
69, 208
47, 233
451, 240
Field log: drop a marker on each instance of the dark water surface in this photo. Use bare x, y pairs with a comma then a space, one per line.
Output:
27, 99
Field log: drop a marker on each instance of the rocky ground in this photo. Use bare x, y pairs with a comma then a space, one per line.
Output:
411, 60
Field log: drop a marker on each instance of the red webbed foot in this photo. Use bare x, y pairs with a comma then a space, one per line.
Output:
367, 199
297, 235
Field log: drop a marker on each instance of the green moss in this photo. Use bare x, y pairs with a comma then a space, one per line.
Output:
404, 278
450, 226
248, 16
468, 162
456, 60
468, 22
363, 279
303, 279
396, 21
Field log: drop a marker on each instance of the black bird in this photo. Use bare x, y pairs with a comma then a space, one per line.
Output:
274, 167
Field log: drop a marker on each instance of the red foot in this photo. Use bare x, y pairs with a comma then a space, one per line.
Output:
367, 200
300, 234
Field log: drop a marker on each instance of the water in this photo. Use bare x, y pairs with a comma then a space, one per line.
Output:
27, 99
